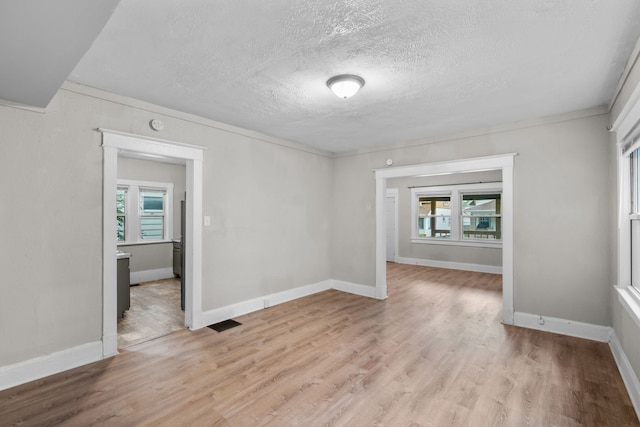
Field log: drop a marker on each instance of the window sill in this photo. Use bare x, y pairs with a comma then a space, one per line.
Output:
471, 243
142, 243
630, 299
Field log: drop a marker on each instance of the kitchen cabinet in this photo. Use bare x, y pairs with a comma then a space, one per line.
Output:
177, 258
123, 283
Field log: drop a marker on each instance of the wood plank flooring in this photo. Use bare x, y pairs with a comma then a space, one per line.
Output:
155, 311
433, 354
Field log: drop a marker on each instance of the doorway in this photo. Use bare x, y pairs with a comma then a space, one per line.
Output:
151, 193
117, 143
503, 163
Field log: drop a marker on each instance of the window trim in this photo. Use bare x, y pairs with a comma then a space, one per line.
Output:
627, 131
456, 193
133, 214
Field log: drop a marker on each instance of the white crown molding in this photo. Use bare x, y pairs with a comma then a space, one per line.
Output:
508, 127
192, 118
18, 106
631, 62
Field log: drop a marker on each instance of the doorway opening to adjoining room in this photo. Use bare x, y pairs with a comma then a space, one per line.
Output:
121, 144
502, 163
150, 227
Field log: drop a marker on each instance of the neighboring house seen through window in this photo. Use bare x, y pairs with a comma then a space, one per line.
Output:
143, 211
467, 214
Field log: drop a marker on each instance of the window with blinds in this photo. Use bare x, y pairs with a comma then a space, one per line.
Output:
143, 211
152, 213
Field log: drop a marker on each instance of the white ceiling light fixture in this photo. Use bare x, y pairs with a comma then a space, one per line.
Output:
345, 85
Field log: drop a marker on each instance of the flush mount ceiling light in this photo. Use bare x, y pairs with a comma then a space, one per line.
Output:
345, 85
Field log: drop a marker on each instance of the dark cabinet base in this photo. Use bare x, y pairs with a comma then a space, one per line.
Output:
123, 296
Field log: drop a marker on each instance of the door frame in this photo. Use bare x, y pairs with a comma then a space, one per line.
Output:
114, 143
392, 193
504, 163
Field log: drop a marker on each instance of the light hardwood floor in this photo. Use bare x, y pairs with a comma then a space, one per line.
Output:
433, 354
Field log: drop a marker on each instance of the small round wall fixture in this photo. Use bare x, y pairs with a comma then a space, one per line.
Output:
156, 124
345, 85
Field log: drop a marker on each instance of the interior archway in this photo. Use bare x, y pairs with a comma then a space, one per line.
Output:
503, 163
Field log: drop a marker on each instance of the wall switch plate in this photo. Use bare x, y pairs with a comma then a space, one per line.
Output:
207, 221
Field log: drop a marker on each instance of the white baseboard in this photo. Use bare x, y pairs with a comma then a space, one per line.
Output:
626, 371
43, 366
562, 326
227, 312
136, 277
109, 345
480, 268
354, 288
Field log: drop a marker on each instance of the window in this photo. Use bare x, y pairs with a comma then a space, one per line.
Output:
634, 217
481, 216
121, 217
152, 214
143, 211
468, 215
434, 216
627, 129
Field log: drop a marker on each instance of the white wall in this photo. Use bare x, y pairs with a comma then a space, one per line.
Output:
283, 215
561, 184
269, 201
50, 186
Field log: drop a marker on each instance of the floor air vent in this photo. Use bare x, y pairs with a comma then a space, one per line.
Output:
224, 325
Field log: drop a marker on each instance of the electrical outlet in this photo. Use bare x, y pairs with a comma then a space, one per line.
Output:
541, 320
266, 303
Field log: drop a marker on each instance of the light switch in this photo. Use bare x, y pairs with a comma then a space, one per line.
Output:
207, 221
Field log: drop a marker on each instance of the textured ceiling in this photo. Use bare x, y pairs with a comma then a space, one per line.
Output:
431, 67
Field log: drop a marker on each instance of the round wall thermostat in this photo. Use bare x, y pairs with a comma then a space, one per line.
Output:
156, 124
389, 162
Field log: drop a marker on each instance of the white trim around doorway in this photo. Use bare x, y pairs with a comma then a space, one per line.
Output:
115, 143
503, 163
392, 193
